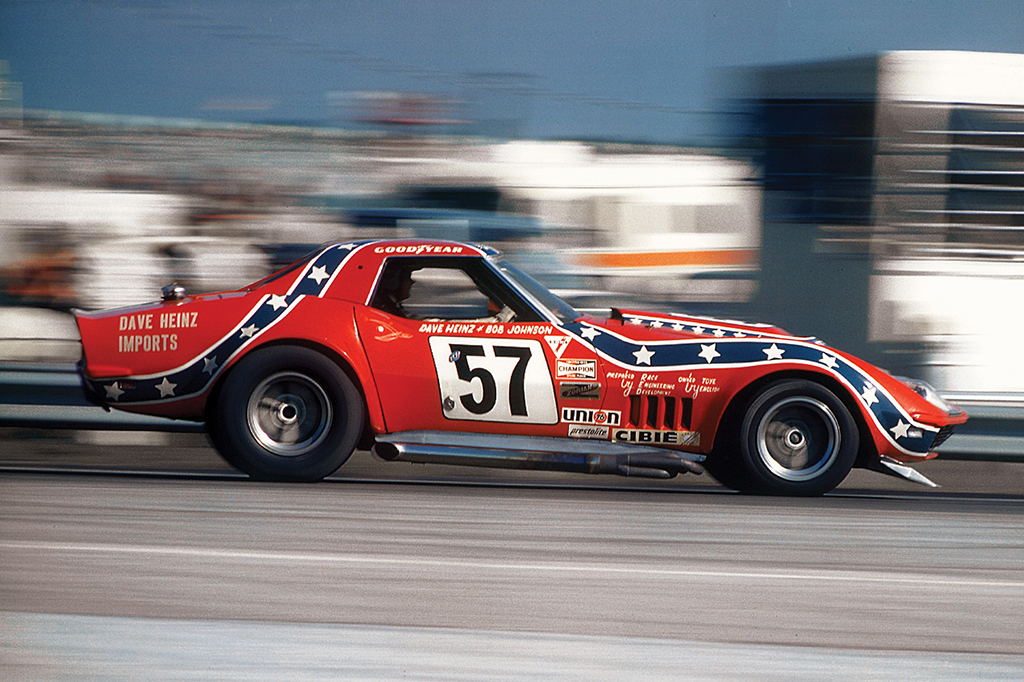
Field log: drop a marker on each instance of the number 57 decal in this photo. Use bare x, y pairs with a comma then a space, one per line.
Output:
495, 380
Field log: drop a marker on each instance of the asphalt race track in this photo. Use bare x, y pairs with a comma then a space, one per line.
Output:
185, 571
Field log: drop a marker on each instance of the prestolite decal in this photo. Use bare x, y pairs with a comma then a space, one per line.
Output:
691, 438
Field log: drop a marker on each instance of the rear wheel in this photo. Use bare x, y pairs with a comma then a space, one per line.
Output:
287, 414
796, 438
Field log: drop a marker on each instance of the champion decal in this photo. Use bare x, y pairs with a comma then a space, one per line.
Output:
748, 351
195, 376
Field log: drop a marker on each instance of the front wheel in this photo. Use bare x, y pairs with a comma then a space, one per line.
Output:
287, 414
796, 438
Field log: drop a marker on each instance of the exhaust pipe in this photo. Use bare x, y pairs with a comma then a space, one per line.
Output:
642, 462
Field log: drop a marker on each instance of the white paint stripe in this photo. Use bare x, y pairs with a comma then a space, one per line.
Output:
353, 250
308, 268
307, 557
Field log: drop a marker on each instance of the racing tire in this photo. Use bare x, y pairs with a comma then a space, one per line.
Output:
287, 414
796, 438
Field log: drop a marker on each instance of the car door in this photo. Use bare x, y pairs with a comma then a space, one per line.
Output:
460, 358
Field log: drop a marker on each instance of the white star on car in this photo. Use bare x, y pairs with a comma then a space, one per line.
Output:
319, 274
277, 301
643, 356
166, 388
868, 395
589, 333
247, 332
773, 352
678, 327
657, 324
113, 391
636, 320
719, 333
900, 430
828, 360
210, 365
708, 352
698, 329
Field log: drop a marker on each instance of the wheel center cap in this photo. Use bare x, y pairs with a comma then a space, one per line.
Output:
288, 409
795, 438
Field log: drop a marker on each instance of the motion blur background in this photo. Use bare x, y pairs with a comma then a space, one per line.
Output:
851, 170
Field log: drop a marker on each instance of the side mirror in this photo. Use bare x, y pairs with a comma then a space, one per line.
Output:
173, 292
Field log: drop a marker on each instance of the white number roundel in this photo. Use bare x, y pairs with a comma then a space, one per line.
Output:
497, 380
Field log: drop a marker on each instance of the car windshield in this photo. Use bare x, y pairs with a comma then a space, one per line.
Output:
562, 310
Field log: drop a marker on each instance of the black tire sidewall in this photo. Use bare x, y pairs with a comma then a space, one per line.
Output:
759, 478
230, 430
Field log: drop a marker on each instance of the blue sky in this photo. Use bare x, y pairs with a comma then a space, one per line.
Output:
617, 69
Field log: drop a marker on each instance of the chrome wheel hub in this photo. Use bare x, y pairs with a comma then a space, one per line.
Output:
798, 438
289, 414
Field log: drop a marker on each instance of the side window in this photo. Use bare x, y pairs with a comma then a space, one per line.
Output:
425, 292
447, 294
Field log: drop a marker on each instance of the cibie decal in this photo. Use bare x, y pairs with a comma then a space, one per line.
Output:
581, 416
590, 390
558, 344
691, 438
566, 368
494, 379
588, 431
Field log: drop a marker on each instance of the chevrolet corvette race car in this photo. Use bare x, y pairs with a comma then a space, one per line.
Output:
433, 351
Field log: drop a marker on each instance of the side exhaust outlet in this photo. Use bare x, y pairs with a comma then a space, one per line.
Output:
538, 453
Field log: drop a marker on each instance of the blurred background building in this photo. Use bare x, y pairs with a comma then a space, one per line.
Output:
894, 210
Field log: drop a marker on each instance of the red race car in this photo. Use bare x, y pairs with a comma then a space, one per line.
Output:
432, 351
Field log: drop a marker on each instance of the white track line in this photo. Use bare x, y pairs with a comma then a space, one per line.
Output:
326, 558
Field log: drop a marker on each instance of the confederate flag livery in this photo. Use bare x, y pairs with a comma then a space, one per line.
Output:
431, 351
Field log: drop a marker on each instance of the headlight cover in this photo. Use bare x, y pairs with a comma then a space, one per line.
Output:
928, 392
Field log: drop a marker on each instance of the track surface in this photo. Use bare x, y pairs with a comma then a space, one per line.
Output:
181, 577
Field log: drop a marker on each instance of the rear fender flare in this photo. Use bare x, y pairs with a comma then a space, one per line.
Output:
373, 415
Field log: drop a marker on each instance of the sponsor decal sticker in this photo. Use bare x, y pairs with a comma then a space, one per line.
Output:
656, 437
570, 368
588, 431
558, 344
582, 416
418, 249
589, 390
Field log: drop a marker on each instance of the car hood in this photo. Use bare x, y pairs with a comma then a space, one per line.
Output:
654, 342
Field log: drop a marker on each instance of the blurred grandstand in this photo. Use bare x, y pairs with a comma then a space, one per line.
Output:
101, 211
876, 202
